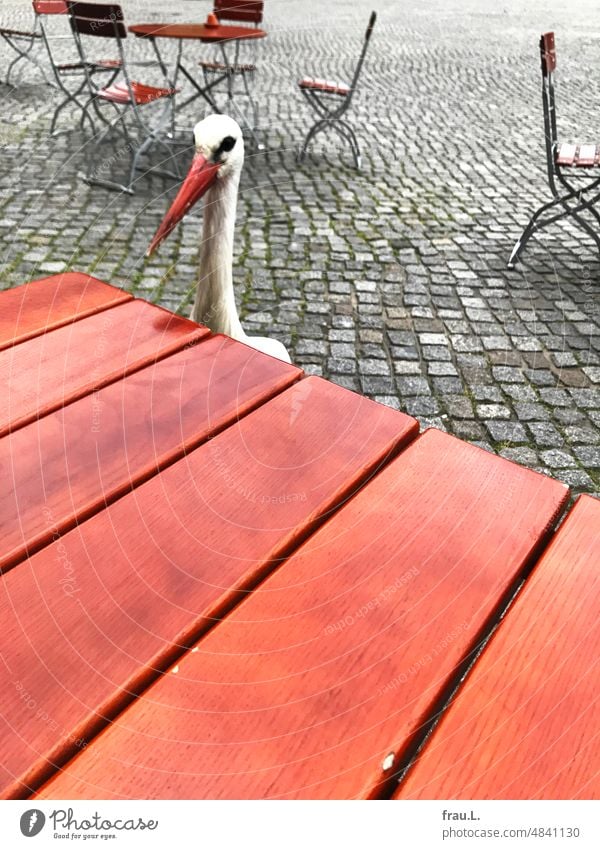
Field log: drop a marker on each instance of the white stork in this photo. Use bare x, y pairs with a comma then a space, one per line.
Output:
215, 172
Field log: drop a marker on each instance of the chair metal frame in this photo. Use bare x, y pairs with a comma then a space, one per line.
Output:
106, 20
46, 8
32, 38
331, 103
248, 12
570, 198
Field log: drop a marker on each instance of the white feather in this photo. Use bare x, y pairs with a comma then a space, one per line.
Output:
214, 304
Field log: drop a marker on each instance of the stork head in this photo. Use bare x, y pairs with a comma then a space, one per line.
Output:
219, 155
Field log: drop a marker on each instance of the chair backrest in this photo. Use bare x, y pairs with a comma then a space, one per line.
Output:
363, 51
548, 53
548, 58
241, 11
104, 20
42, 9
50, 7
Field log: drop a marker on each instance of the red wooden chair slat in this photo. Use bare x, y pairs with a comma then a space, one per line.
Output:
329, 86
566, 154
50, 7
138, 92
109, 605
52, 370
339, 658
525, 725
51, 302
586, 156
548, 53
87, 454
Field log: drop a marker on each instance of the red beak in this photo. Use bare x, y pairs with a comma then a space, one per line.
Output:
200, 178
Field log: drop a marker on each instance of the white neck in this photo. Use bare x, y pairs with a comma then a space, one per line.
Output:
214, 305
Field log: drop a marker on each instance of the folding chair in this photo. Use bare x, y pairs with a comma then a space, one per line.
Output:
331, 100
105, 20
25, 44
579, 160
242, 12
73, 70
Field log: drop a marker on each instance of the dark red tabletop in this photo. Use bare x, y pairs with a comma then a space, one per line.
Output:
257, 584
199, 32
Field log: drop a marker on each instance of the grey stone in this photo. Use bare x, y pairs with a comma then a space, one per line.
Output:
556, 459
506, 431
545, 434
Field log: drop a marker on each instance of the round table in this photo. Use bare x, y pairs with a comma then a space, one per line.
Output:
223, 35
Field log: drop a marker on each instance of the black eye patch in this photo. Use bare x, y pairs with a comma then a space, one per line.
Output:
226, 145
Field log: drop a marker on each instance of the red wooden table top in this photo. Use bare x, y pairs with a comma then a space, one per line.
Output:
526, 724
51, 302
225, 579
197, 32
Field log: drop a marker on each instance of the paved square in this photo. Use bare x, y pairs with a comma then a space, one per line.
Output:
393, 280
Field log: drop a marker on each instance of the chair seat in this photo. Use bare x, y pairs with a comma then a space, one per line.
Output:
101, 65
119, 93
221, 68
578, 155
106, 64
18, 33
325, 86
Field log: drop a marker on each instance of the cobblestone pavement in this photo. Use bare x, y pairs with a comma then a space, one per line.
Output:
391, 281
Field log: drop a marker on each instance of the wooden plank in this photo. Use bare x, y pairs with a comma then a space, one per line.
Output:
87, 454
586, 156
54, 369
338, 659
43, 305
95, 616
525, 724
566, 154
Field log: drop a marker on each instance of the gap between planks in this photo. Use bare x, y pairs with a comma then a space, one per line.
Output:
183, 643
441, 703
167, 459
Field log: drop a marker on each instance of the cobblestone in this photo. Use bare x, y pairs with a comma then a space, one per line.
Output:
392, 280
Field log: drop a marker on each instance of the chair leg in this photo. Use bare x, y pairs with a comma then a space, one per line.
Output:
252, 101
312, 133
57, 112
529, 230
245, 124
535, 225
71, 97
586, 227
351, 138
595, 213
176, 175
25, 54
74, 96
576, 217
85, 114
150, 136
140, 151
342, 128
90, 178
12, 65
93, 101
